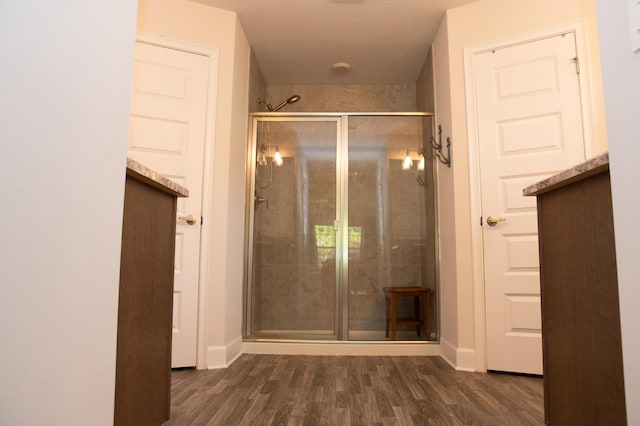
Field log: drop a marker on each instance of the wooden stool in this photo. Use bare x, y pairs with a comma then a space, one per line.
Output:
391, 295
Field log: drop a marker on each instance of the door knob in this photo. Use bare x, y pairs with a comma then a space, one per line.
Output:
493, 221
191, 219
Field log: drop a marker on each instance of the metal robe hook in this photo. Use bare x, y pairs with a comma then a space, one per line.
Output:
437, 146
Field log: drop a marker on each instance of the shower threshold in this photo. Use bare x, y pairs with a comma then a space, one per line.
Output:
341, 347
325, 336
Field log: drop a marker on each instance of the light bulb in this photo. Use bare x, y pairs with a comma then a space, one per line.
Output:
407, 163
277, 158
421, 163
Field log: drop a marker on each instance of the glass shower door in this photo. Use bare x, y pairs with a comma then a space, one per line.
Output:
391, 222
292, 284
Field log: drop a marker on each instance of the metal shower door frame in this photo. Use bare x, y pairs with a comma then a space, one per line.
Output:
341, 311
250, 217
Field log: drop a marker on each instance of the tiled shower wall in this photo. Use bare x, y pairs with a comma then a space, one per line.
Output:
345, 98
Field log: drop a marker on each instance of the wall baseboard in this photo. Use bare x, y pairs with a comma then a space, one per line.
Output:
448, 352
466, 360
461, 359
216, 357
234, 350
224, 356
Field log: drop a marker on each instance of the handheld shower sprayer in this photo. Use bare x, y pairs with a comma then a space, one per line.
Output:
290, 100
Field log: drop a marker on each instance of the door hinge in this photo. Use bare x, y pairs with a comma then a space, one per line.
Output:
201, 220
480, 220
577, 61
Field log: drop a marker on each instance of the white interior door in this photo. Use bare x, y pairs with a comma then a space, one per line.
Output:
529, 127
166, 134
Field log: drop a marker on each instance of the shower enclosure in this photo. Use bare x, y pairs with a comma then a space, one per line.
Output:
340, 206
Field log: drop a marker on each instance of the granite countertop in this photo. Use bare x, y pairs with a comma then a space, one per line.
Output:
155, 179
581, 171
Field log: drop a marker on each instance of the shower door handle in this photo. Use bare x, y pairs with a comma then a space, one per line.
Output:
259, 200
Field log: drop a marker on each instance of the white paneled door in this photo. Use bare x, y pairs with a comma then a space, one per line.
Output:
167, 134
529, 127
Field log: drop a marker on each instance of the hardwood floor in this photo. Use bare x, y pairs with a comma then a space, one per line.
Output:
352, 390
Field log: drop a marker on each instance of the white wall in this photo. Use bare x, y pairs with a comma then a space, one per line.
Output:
63, 125
448, 290
621, 73
481, 22
237, 196
207, 26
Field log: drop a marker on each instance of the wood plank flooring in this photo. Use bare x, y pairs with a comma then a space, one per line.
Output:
352, 390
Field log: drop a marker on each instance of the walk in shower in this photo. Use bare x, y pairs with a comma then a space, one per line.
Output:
340, 206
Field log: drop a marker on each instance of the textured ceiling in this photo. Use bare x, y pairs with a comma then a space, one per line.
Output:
297, 41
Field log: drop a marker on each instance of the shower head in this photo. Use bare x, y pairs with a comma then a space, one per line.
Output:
291, 100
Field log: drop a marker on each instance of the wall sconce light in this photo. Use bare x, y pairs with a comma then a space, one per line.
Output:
437, 147
264, 155
408, 162
261, 159
421, 162
277, 157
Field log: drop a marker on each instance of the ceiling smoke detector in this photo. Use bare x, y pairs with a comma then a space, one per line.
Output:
341, 67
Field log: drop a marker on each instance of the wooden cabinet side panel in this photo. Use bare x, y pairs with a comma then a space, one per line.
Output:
581, 323
143, 364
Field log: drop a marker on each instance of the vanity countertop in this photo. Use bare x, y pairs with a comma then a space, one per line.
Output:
145, 174
576, 173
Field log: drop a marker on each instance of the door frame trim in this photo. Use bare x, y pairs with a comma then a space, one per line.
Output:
477, 256
207, 173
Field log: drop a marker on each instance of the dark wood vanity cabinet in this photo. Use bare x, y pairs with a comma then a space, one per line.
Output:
143, 358
582, 352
